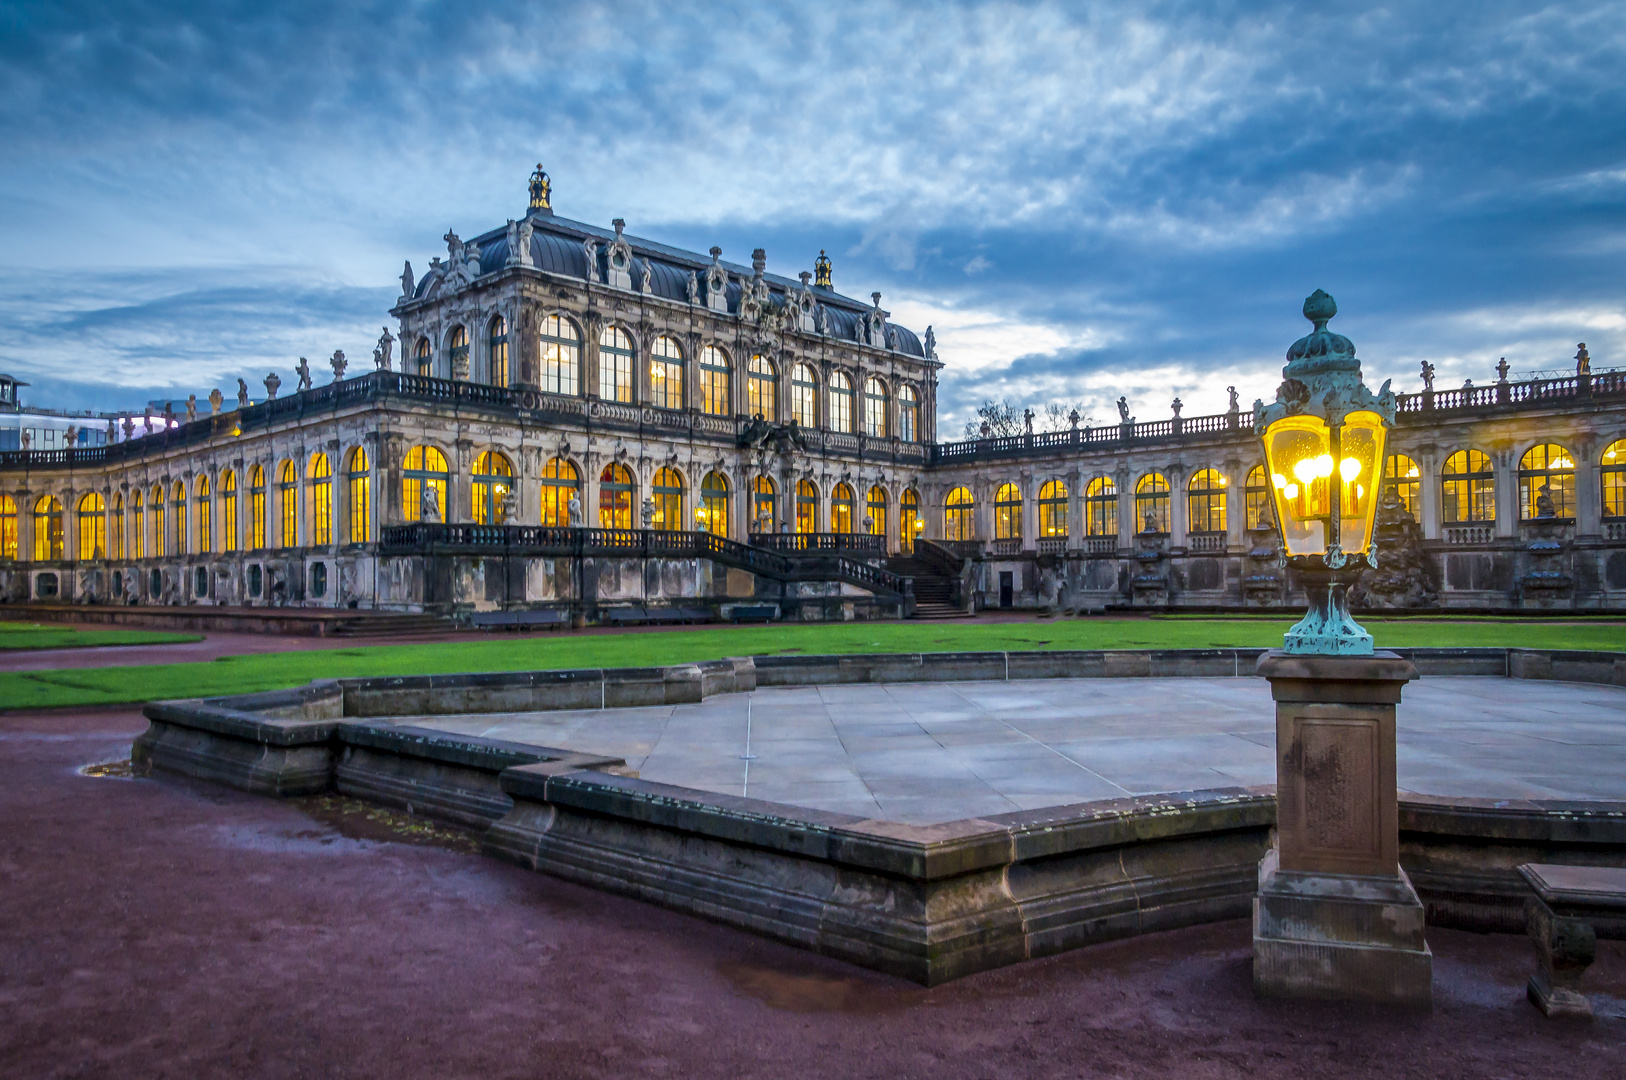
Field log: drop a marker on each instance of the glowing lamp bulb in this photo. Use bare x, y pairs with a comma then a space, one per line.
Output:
1349, 469
1291, 491
1279, 481
1305, 470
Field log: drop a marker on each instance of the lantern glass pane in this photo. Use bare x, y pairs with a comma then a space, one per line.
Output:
1299, 451
1360, 452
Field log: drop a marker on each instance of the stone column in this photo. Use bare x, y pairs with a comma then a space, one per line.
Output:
1178, 519
1507, 492
1588, 488
1429, 493
459, 494
1127, 525
1335, 916
1075, 507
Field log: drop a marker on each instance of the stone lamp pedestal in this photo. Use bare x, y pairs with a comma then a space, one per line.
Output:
1335, 916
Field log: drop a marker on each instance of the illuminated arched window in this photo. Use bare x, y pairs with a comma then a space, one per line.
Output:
92, 522
256, 508
320, 476
1546, 469
666, 492
425, 361
424, 467
874, 408
1256, 497
666, 374
804, 391
1053, 509
614, 365
764, 504
201, 517
138, 525
1613, 478
47, 528
358, 484
841, 403
908, 414
1101, 507
497, 351
841, 509
116, 548
8, 526
560, 353
178, 507
615, 492
761, 389
1205, 502
457, 351
1468, 487
910, 523
560, 483
493, 479
160, 522
713, 514
715, 399
959, 515
807, 507
1152, 503
228, 511
875, 510
1008, 512
1401, 473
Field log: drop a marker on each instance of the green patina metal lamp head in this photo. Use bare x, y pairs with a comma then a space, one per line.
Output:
1324, 438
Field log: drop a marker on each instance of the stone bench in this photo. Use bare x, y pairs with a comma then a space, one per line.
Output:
517, 620
1571, 907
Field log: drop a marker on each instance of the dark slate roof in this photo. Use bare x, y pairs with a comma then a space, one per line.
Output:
556, 246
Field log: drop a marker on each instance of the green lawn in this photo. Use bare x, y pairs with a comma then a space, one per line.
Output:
21, 635
243, 674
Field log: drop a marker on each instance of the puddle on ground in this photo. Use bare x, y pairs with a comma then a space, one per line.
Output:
117, 769
814, 992
362, 821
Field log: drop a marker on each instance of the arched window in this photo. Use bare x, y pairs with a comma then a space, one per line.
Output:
1101, 507
764, 504
426, 362
288, 505
1547, 469
804, 390
560, 484
1613, 477
256, 508
615, 497
908, 414
47, 528
178, 506
160, 529
874, 408
8, 526
715, 399
959, 515
841, 509
1469, 487
1053, 509
423, 469
201, 517
497, 351
614, 365
92, 515
666, 374
138, 526
761, 384
561, 355
1008, 512
1205, 502
1256, 496
666, 492
841, 403
875, 510
116, 549
458, 349
1401, 473
358, 483
493, 478
713, 514
320, 475
807, 507
910, 524
1152, 503
228, 511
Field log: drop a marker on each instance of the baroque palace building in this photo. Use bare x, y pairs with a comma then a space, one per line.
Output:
585, 425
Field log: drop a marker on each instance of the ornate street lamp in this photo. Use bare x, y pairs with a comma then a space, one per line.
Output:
1324, 440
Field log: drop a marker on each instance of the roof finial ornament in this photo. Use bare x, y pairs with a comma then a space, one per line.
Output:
821, 270
759, 261
620, 226
541, 192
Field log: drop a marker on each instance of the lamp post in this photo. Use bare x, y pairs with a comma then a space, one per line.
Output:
1335, 915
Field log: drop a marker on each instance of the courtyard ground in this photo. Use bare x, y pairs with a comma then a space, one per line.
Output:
152, 928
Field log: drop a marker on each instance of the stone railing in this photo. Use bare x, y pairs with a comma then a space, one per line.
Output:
1052, 545
861, 543
1101, 545
1614, 530
1205, 541
1469, 534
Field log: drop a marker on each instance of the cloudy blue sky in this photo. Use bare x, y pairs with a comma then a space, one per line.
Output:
1085, 200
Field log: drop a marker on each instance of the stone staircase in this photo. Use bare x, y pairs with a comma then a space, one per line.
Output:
385, 624
933, 590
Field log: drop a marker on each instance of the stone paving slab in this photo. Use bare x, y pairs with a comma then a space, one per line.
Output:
922, 753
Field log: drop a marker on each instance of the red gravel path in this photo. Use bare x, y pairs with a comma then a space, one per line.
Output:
156, 929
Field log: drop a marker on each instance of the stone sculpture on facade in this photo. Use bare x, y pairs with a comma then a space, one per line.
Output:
303, 370
429, 506
272, 383
573, 511
1404, 577
1123, 411
27, 439
691, 288
1176, 405
339, 364
1583, 361
217, 400
71, 437
1428, 377
406, 280
1501, 370
381, 351
242, 394
191, 408
931, 344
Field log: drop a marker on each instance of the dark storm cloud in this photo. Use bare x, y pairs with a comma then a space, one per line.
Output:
1085, 201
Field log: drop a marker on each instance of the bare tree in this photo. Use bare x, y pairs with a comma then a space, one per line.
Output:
1002, 418
1058, 416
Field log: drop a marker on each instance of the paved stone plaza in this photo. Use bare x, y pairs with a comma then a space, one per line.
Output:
921, 753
